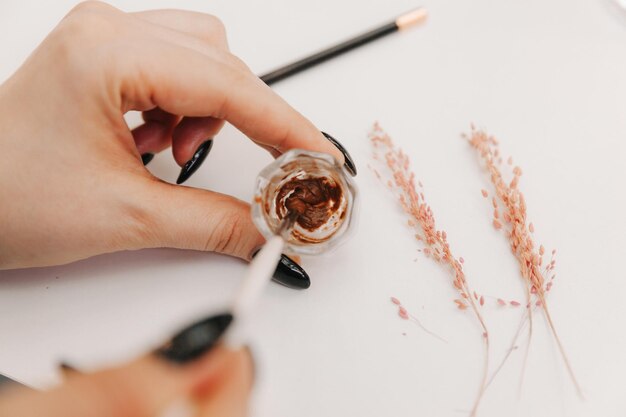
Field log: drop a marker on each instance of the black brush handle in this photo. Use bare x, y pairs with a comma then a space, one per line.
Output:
319, 57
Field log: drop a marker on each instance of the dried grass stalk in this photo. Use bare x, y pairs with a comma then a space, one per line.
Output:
422, 223
514, 223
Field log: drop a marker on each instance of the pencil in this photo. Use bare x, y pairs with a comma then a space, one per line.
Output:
401, 22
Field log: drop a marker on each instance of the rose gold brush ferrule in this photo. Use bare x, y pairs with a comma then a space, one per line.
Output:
411, 18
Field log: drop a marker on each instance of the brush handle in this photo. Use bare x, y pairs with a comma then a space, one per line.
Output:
402, 22
319, 57
258, 276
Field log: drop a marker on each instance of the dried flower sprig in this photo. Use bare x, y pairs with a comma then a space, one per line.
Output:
422, 223
512, 220
404, 314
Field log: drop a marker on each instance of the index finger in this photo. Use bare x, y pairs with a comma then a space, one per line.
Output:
186, 82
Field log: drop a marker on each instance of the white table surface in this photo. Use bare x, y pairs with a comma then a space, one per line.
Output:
548, 78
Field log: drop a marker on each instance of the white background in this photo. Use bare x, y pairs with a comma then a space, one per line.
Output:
547, 78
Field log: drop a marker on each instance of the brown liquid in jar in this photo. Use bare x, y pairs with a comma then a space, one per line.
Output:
313, 200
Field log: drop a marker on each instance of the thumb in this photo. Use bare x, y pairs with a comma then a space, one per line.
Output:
175, 216
190, 218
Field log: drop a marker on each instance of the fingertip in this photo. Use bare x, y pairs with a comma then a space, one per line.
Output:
190, 133
151, 137
309, 138
348, 162
230, 397
194, 163
332, 149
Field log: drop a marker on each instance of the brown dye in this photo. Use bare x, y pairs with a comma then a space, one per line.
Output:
313, 200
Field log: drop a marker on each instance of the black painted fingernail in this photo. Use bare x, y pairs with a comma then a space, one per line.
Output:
350, 166
289, 273
195, 340
196, 160
146, 158
68, 369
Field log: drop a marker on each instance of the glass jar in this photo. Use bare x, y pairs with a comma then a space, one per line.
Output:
316, 191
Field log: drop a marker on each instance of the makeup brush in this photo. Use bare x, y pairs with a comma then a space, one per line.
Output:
401, 22
259, 275
228, 327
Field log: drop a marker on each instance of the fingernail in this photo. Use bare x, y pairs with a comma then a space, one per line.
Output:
146, 158
195, 340
349, 164
196, 160
289, 273
67, 369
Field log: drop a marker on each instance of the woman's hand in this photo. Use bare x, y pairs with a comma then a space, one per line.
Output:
72, 184
218, 384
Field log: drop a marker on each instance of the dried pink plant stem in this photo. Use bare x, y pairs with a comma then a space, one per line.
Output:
512, 347
509, 351
530, 334
518, 231
405, 315
422, 223
433, 334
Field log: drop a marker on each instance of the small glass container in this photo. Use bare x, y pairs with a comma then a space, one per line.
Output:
316, 191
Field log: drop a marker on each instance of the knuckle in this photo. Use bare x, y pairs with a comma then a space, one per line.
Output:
224, 104
227, 235
83, 38
88, 18
89, 6
240, 64
215, 26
